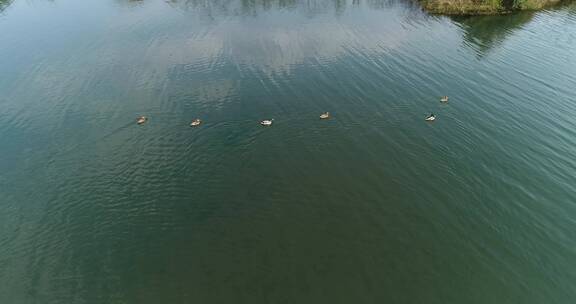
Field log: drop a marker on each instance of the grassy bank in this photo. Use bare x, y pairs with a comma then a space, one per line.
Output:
483, 7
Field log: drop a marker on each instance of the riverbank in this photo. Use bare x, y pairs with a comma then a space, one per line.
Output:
483, 7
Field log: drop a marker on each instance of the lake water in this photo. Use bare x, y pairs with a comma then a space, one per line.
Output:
374, 205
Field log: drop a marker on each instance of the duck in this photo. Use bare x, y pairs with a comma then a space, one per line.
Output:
431, 117
444, 99
196, 122
267, 122
142, 120
325, 115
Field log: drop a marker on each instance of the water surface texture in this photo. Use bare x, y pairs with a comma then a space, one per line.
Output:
372, 206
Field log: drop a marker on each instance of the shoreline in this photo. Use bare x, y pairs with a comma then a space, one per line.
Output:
485, 7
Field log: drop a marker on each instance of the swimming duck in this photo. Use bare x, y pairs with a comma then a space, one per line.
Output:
444, 99
267, 122
196, 122
325, 115
142, 120
431, 117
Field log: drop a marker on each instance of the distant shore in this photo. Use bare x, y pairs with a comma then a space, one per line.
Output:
484, 7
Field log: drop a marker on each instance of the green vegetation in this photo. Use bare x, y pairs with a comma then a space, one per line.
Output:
483, 7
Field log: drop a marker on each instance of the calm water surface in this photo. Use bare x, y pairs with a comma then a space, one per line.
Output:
372, 206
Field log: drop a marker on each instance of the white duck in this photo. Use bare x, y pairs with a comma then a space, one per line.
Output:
431, 117
267, 122
325, 115
142, 120
444, 99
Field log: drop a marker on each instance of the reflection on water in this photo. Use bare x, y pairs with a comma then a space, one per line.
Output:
4, 4
130, 3
481, 32
487, 32
310, 7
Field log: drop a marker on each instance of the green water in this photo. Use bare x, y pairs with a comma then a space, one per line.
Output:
372, 206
